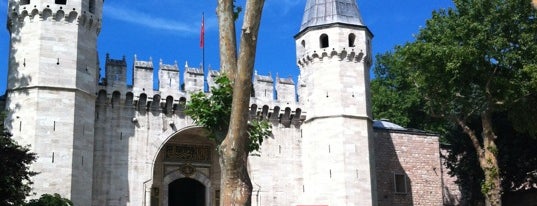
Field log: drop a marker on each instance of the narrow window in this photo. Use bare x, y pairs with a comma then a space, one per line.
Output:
400, 183
324, 41
25, 2
217, 197
303, 43
92, 6
63, 2
352, 38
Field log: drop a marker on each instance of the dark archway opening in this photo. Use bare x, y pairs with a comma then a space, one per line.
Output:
186, 192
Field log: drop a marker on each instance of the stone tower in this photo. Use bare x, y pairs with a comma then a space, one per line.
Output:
52, 78
334, 56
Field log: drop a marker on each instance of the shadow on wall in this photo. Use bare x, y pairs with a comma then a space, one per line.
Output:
451, 191
394, 187
17, 80
113, 132
450, 199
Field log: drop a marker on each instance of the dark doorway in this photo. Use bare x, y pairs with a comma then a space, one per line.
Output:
186, 192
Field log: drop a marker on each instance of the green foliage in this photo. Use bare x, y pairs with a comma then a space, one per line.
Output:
396, 98
50, 200
259, 129
475, 58
213, 112
516, 156
478, 57
14, 172
236, 11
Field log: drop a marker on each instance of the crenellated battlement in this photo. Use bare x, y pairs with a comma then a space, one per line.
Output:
345, 54
171, 94
19, 14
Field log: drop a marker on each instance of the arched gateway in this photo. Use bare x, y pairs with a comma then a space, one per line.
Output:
186, 192
186, 170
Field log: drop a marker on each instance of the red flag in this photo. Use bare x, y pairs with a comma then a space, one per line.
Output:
202, 33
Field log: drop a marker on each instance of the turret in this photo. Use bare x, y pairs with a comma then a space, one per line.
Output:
333, 53
53, 73
263, 87
116, 73
193, 79
142, 75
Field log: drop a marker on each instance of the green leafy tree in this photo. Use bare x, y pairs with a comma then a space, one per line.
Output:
50, 200
472, 62
516, 158
213, 112
395, 97
14, 172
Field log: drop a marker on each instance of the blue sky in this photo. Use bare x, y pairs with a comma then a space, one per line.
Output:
169, 30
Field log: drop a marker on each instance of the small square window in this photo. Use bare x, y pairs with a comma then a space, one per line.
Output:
400, 183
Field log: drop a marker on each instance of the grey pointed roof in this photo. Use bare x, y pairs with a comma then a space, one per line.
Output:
322, 12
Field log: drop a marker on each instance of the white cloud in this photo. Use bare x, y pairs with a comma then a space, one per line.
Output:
146, 20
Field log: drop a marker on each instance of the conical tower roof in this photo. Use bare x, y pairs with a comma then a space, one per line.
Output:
322, 12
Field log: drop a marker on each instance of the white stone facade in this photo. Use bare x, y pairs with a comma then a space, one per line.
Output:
110, 143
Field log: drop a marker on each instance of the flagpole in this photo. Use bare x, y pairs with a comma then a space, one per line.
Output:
205, 84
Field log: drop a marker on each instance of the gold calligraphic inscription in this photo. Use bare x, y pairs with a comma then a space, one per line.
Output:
189, 153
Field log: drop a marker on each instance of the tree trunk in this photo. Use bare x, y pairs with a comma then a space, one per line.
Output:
487, 156
227, 38
236, 187
491, 188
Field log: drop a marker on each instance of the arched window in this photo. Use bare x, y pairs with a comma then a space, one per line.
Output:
25, 2
92, 6
324, 41
352, 39
63, 2
303, 43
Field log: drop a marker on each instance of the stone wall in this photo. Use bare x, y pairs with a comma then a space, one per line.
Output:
131, 133
414, 155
